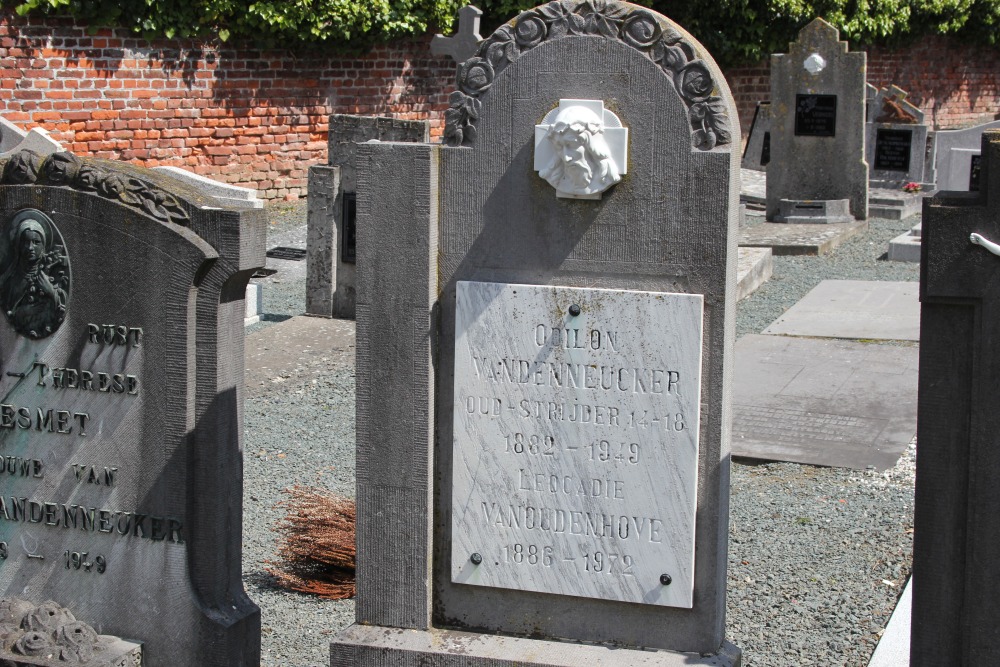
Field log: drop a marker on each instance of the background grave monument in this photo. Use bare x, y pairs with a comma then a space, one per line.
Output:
121, 350
896, 140
956, 541
499, 521
957, 157
817, 171
757, 153
331, 217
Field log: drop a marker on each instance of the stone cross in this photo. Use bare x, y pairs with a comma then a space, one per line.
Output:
463, 45
956, 542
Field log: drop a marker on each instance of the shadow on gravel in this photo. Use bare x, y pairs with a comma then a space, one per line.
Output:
263, 580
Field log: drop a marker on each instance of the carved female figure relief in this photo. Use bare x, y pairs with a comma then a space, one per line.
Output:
34, 275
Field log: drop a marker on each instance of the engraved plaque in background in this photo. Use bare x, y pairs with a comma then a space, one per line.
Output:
892, 150
815, 115
576, 441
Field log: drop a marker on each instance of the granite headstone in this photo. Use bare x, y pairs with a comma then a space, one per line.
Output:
331, 218
545, 315
121, 351
956, 540
818, 123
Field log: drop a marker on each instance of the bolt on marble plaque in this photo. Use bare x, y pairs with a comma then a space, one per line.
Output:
576, 441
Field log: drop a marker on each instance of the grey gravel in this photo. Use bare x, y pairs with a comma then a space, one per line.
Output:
817, 556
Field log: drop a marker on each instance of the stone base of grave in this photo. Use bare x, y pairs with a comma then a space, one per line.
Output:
753, 192
894, 204
754, 267
814, 211
906, 247
791, 239
374, 646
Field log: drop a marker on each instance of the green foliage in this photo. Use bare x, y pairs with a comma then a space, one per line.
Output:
734, 31
331, 23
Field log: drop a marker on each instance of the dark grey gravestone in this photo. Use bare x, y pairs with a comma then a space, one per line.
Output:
121, 351
330, 270
477, 213
823, 402
757, 153
956, 541
818, 123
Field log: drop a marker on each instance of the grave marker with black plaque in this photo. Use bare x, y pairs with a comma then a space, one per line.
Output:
815, 115
765, 150
121, 349
892, 149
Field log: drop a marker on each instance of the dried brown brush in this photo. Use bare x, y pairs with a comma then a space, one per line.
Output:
317, 544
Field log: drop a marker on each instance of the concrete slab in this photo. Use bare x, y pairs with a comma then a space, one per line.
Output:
754, 267
800, 239
823, 402
893, 648
863, 309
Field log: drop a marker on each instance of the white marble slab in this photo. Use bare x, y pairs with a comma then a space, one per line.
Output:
576, 441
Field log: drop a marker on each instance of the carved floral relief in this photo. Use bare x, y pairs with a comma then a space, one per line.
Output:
632, 25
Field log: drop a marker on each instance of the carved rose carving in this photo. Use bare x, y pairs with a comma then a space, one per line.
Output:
68, 170
641, 30
634, 26
695, 82
76, 641
47, 617
476, 75
530, 31
34, 644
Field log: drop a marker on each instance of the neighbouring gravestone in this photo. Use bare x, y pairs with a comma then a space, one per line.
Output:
121, 352
331, 217
956, 540
896, 140
545, 313
463, 45
757, 154
957, 157
818, 129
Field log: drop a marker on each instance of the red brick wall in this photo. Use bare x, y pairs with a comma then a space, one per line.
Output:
249, 117
956, 85
259, 118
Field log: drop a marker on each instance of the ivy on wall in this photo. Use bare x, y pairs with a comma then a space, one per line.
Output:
734, 31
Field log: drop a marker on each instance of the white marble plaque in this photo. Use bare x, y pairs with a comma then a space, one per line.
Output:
576, 441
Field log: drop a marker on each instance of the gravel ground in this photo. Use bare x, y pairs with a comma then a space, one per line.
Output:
817, 559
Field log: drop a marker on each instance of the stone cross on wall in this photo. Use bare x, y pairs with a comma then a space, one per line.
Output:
463, 45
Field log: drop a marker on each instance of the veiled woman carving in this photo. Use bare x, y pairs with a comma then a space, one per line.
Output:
34, 282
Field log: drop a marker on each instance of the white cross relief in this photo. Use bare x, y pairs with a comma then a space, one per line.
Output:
463, 45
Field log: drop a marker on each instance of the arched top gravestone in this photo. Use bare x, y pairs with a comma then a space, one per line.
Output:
583, 215
121, 371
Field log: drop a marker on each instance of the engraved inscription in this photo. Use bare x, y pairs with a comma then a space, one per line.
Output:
815, 115
892, 150
575, 456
